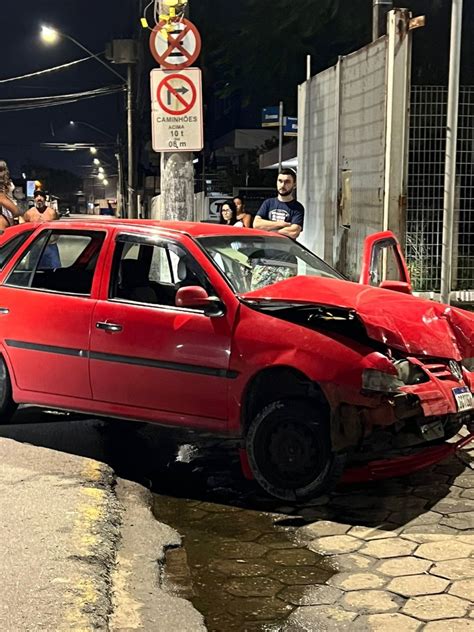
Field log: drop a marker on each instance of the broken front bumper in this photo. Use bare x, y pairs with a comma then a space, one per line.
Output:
403, 465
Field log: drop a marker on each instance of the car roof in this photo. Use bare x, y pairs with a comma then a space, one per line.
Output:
193, 229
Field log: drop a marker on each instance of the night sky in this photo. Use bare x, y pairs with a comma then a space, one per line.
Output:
96, 22
93, 23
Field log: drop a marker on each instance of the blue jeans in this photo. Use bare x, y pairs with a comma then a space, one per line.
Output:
50, 258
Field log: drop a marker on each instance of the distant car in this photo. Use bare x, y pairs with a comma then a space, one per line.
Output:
239, 333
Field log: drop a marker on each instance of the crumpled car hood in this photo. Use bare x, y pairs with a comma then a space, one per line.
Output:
407, 323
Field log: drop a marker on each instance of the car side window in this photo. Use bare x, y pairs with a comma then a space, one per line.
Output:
152, 273
8, 250
385, 263
59, 262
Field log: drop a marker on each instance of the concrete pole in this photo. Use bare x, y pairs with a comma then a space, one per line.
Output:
177, 179
380, 8
131, 209
451, 151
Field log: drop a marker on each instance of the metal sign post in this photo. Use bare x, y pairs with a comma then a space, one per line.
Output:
451, 151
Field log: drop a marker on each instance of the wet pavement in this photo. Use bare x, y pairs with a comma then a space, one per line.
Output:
396, 554
239, 569
391, 555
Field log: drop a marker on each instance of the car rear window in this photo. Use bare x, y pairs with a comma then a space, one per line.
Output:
9, 249
59, 261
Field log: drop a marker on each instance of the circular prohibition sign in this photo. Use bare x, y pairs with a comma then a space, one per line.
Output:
184, 43
178, 92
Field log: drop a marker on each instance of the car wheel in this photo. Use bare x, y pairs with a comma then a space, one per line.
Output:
289, 450
7, 405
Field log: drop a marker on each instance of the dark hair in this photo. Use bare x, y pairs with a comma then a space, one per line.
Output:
288, 172
231, 204
39, 192
239, 197
4, 177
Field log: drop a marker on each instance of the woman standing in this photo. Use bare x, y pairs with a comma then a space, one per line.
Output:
8, 208
242, 215
229, 214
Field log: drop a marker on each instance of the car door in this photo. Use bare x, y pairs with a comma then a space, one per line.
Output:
383, 263
147, 353
46, 311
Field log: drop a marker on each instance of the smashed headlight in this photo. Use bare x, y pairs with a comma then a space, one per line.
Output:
373, 380
468, 363
409, 373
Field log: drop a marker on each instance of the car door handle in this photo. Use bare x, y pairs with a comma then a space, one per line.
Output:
112, 327
4, 310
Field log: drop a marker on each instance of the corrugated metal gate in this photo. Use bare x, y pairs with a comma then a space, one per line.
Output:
424, 228
342, 181
352, 146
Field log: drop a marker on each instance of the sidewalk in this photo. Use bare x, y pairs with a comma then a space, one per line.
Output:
79, 546
403, 551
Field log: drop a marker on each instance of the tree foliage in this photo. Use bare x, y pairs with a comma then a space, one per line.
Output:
258, 48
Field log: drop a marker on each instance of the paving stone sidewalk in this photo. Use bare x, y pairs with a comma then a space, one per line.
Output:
403, 551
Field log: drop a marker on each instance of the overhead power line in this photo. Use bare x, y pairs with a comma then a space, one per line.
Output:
30, 103
47, 70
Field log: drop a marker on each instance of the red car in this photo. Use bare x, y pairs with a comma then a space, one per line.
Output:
236, 332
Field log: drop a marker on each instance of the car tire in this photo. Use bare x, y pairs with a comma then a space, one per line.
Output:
7, 405
289, 450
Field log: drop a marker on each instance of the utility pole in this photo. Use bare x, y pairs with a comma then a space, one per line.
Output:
380, 8
131, 206
280, 136
451, 151
177, 175
124, 51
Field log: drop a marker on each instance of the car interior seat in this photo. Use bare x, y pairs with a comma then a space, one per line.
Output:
186, 276
134, 284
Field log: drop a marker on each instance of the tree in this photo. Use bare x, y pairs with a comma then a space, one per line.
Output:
258, 48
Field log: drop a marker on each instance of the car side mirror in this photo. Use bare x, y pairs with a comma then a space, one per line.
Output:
196, 297
396, 286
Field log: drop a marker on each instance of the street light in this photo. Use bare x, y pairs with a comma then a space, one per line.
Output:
96, 161
90, 126
93, 150
51, 35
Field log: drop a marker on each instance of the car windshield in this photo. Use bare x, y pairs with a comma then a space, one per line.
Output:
254, 262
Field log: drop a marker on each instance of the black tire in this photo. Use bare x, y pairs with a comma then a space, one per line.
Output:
289, 450
7, 405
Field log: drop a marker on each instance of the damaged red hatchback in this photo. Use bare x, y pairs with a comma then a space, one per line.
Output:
239, 333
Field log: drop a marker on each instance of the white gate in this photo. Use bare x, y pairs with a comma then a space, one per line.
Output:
352, 146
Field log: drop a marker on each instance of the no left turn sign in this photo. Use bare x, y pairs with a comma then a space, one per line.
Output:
178, 48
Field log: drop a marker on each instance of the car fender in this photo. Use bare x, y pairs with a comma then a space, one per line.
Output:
11, 372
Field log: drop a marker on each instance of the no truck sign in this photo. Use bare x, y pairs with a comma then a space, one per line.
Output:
177, 121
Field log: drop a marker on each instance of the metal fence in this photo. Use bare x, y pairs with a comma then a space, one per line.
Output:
424, 217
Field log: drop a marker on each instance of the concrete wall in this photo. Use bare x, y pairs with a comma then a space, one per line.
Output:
352, 120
